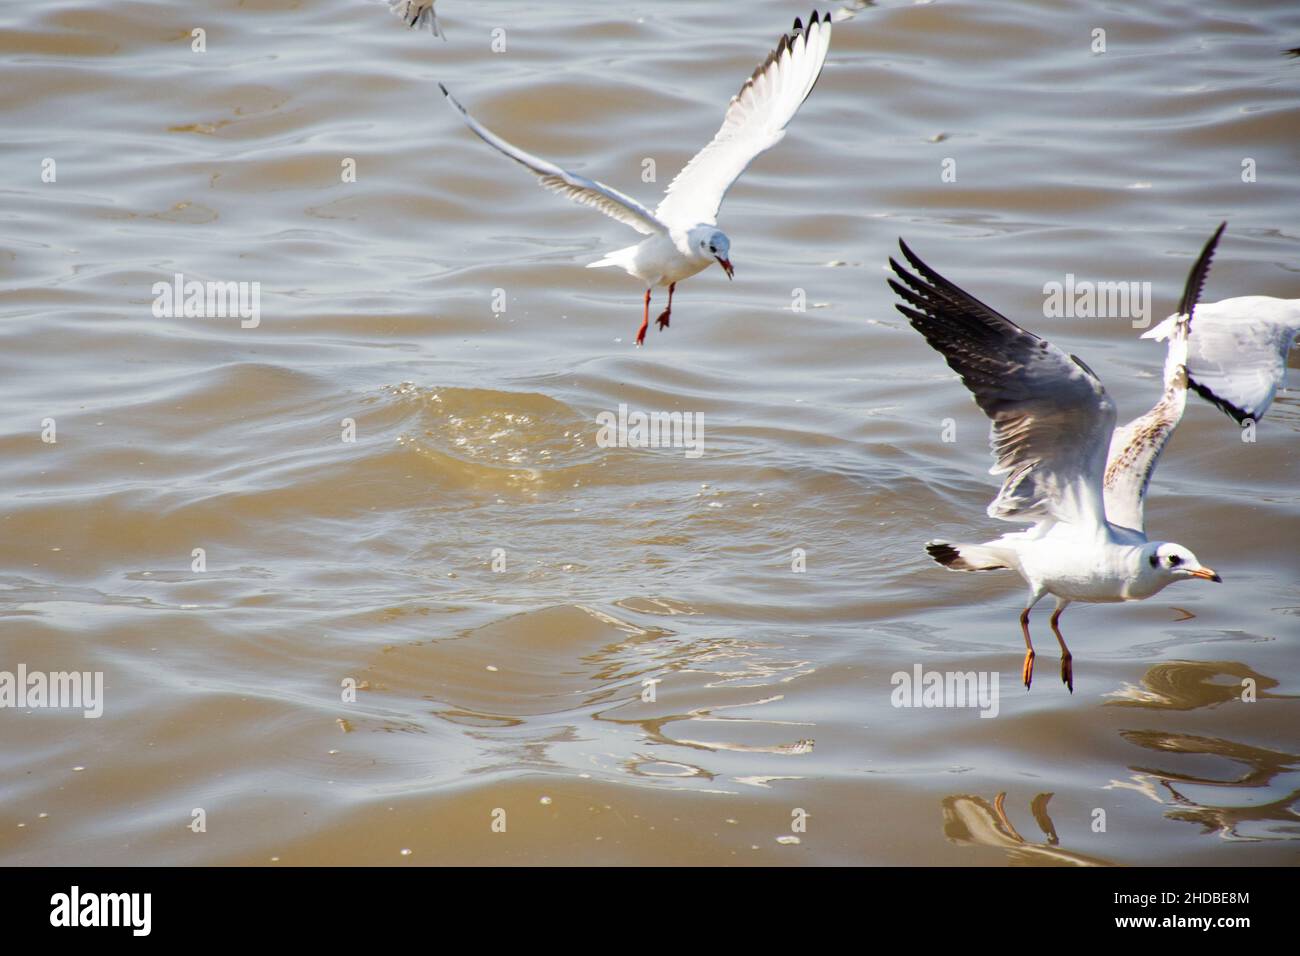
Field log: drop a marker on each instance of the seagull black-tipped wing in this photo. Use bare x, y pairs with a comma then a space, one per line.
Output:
1237, 348
1237, 353
755, 121
1052, 419
1135, 448
1196, 278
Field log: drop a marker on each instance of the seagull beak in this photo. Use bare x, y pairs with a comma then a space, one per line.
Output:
1208, 574
726, 267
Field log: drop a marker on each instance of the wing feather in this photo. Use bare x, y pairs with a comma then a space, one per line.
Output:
1135, 448
588, 192
418, 13
755, 121
1052, 418
1237, 351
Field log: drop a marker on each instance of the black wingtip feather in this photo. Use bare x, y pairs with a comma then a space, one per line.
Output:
1196, 278
942, 552
1240, 415
942, 300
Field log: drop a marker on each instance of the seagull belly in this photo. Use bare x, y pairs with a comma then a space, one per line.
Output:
660, 261
1081, 570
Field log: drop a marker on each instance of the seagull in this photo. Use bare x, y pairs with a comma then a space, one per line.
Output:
418, 13
682, 235
1070, 473
1237, 351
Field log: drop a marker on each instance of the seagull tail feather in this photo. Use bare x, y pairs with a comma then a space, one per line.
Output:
619, 257
966, 557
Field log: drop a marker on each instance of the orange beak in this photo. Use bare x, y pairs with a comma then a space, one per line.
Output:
726, 267
1208, 574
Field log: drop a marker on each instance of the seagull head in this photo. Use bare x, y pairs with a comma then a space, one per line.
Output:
1173, 562
714, 244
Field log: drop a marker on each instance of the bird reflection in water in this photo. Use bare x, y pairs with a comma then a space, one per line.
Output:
1260, 786
1235, 790
1188, 685
969, 820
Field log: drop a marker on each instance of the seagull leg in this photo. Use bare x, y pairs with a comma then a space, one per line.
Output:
1027, 671
645, 320
663, 318
999, 807
1038, 807
1067, 659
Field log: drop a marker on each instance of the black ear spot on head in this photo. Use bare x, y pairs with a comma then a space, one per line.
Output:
1154, 559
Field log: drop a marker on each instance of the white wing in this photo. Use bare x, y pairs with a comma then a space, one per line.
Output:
1237, 351
1135, 448
418, 13
1052, 419
755, 122
580, 189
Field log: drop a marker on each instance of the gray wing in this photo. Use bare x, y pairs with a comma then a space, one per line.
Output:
1052, 419
1135, 448
755, 121
1237, 351
580, 189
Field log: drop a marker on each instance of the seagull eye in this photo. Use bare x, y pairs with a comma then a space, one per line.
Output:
712, 249
1175, 560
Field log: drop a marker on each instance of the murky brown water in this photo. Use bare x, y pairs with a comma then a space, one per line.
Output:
521, 689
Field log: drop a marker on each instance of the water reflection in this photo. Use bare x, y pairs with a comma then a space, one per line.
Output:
1235, 790
1187, 685
970, 820
574, 684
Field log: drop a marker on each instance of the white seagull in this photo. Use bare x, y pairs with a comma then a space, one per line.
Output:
682, 236
418, 13
1237, 351
1080, 481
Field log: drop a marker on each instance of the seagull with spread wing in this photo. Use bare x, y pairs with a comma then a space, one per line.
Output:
1069, 472
1237, 351
682, 235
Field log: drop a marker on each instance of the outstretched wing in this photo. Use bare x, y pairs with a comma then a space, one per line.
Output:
1237, 351
755, 122
1052, 418
1135, 448
580, 189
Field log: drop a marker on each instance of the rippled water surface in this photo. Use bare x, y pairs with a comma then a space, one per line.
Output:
503, 589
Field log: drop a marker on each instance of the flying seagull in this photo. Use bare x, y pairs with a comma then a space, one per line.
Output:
418, 13
1237, 351
1070, 473
682, 235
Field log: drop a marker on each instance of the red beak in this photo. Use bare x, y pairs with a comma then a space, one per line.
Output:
726, 267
